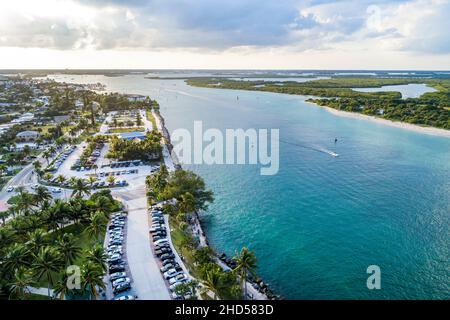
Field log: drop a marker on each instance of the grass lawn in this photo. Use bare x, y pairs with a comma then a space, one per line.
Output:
178, 237
151, 118
128, 129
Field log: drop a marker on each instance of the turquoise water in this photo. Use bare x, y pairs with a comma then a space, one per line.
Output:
321, 221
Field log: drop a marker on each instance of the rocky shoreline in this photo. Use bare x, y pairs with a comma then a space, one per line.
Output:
255, 282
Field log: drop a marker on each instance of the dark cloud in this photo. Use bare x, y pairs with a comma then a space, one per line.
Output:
218, 25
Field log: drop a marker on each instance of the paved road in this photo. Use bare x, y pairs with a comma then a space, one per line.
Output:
147, 280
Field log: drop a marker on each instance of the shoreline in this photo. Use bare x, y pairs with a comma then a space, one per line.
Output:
196, 223
396, 124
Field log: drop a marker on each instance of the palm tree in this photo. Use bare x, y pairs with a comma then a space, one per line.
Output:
51, 150
111, 180
60, 179
246, 263
61, 289
80, 188
56, 214
213, 282
187, 203
97, 225
26, 202
36, 240
37, 167
92, 277
46, 155
42, 195
4, 215
97, 256
46, 263
91, 180
16, 257
73, 181
95, 167
47, 176
68, 248
21, 282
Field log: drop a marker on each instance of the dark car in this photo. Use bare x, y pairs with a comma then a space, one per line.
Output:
164, 245
122, 287
155, 238
166, 256
165, 250
117, 268
115, 261
168, 261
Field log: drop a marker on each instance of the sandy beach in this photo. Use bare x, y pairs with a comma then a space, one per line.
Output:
397, 124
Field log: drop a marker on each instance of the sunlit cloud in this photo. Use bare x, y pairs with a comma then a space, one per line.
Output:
290, 28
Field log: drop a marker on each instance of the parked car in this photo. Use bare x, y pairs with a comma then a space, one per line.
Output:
10, 189
116, 259
171, 273
117, 275
118, 281
56, 190
127, 297
166, 256
117, 268
168, 261
121, 288
164, 240
166, 268
178, 277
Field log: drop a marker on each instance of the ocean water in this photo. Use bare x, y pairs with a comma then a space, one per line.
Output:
321, 221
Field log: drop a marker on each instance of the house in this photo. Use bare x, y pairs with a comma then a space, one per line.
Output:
59, 119
27, 135
132, 135
136, 97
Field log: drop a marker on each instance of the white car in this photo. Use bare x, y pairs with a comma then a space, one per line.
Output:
160, 241
180, 276
171, 273
115, 283
115, 256
117, 275
56, 190
10, 189
126, 298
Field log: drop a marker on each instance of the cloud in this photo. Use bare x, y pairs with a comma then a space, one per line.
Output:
212, 25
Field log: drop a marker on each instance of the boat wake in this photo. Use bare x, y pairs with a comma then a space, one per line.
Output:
313, 148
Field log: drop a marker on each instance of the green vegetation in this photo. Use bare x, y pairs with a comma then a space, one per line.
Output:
150, 117
431, 109
128, 129
45, 237
191, 195
145, 150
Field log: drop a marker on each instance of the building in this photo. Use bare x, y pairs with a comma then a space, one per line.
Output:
27, 136
132, 135
26, 117
59, 119
136, 97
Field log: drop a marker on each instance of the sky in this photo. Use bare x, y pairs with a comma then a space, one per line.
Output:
227, 34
